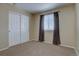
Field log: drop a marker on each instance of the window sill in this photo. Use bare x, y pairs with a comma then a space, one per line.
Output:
49, 30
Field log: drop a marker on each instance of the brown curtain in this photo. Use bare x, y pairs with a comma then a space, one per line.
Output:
56, 36
41, 29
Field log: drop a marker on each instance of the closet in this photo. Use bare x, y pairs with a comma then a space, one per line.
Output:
18, 28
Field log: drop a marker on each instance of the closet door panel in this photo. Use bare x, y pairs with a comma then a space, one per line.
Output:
14, 28
17, 28
11, 29
24, 28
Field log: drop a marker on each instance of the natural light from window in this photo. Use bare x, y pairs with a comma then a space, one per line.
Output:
49, 22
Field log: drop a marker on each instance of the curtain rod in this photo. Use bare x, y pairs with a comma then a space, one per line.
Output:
47, 13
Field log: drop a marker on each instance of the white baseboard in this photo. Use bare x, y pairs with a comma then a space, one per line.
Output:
76, 51
4, 48
71, 47
34, 40
67, 46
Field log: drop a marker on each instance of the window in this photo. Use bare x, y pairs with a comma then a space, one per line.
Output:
49, 22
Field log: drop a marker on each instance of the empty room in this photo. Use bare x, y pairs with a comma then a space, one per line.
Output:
39, 29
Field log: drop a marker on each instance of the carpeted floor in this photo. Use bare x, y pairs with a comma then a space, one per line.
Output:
34, 48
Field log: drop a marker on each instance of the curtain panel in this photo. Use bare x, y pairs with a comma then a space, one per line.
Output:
41, 29
56, 36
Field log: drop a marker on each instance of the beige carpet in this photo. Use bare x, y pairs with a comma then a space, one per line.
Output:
38, 49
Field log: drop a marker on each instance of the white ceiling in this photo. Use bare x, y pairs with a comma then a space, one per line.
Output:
39, 7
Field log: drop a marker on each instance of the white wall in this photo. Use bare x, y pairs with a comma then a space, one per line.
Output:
4, 19
49, 37
3, 27
31, 27
36, 27
67, 26
77, 27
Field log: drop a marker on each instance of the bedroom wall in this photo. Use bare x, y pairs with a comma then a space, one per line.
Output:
48, 37
3, 27
67, 26
4, 19
77, 28
31, 27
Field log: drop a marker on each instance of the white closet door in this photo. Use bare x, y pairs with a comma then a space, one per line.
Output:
14, 28
24, 28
